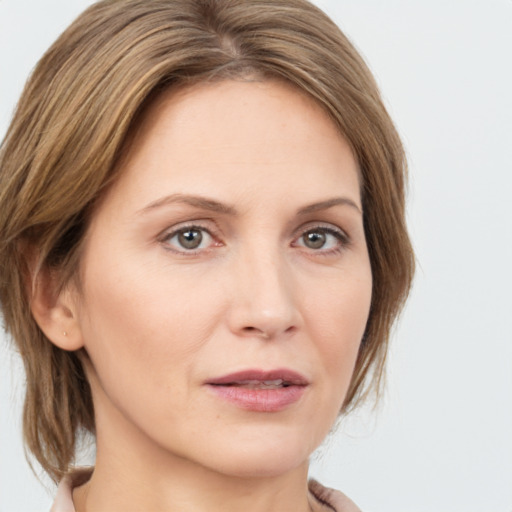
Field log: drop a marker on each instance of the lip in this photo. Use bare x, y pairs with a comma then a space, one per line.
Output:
232, 388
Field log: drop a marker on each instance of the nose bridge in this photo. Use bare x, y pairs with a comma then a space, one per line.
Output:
264, 301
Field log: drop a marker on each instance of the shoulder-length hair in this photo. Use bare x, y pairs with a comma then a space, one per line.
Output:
76, 111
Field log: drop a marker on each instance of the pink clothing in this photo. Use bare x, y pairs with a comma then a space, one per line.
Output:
336, 500
64, 497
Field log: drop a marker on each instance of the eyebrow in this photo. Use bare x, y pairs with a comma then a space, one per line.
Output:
329, 203
205, 203
201, 202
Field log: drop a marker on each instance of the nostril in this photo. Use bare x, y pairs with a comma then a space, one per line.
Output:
256, 332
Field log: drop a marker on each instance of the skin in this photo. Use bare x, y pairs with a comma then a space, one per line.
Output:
157, 320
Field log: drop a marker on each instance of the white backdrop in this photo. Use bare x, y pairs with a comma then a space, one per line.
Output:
442, 439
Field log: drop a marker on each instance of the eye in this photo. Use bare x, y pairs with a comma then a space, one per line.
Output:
325, 239
189, 239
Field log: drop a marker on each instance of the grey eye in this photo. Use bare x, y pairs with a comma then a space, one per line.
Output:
314, 239
322, 239
190, 238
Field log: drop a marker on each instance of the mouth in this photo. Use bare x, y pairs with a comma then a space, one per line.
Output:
260, 391
259, 384
278, 378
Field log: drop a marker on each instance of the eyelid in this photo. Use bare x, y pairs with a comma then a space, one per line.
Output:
326, 227
171, 232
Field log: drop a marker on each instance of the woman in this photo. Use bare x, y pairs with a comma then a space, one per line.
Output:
203, 251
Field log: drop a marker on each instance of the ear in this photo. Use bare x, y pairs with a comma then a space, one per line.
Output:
55, 310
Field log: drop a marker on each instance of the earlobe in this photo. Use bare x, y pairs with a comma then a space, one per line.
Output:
55, 311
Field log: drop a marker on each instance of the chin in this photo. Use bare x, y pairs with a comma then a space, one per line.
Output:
261, 465
263, 457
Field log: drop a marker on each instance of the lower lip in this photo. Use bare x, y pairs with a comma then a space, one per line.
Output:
259, 400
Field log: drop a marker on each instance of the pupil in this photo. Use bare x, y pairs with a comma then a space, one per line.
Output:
190, 239
314, 240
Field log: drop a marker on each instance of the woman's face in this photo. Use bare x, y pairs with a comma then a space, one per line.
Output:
226, 282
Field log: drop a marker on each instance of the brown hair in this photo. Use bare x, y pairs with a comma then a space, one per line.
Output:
67, 134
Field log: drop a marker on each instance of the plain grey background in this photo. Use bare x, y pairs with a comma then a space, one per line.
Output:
442, 437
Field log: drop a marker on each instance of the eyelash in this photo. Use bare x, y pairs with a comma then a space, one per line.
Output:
169, 235
341, 237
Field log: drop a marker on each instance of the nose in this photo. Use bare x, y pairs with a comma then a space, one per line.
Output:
264, 300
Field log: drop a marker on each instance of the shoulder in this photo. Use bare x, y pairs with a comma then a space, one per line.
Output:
336, 500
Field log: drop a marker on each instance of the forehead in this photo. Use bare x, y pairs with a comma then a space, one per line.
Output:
238, 108
213, 137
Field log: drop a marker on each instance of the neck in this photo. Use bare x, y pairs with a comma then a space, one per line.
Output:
193, 491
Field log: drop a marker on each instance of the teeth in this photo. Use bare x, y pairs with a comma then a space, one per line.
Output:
258, 384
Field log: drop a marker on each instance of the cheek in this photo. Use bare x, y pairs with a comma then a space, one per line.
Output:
340, 310
337, 320
135, 318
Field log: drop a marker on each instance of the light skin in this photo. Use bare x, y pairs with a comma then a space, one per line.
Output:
232, 240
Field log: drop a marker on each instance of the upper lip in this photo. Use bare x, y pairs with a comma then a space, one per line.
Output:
289, 377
